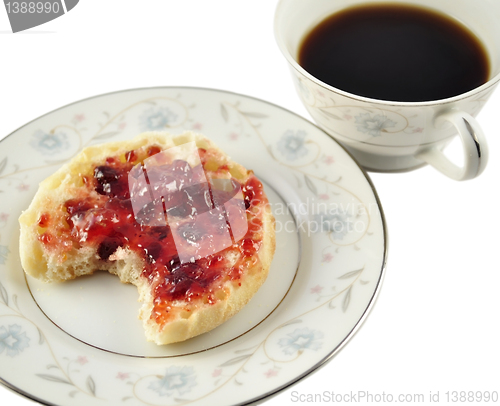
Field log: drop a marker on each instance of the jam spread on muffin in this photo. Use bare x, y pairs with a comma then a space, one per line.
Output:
103, 216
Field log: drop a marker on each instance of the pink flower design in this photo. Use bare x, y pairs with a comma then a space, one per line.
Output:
317, 289
216, 373
418, 130
270, 373
82, 360
122, 125
233, 136
23, 187
4, 217
79, 118
122, 376
197, 126
329, 160
323, 196
327, 257
347, 116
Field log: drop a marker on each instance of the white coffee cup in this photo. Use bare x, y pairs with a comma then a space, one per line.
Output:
387, 136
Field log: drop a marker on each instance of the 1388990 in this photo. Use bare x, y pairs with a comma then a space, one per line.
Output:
32, 7
471, 396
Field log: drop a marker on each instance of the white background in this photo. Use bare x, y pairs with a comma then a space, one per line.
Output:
435, 324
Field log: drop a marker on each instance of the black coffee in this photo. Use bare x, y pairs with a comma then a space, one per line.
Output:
396, 53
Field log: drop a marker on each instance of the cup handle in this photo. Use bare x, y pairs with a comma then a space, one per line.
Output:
473, 142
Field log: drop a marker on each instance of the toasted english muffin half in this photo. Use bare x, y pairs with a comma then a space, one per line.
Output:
171, 214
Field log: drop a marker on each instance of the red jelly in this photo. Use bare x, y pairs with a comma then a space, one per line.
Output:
44, 220
105, 218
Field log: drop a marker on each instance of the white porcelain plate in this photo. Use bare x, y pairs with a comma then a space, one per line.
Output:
81, 343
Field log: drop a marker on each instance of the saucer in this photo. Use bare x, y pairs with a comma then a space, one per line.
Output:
80, 342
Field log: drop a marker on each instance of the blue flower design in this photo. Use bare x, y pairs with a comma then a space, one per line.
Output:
339, 224
4, 252
292, 145
49, 144
301, 339
13, 340
157, 119
373, 125
176, 379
